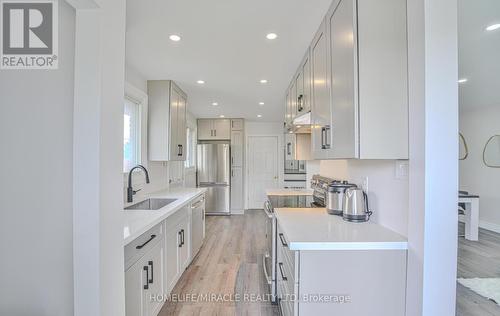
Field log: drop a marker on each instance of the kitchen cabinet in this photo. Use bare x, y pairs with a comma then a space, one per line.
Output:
197, 225
363, 279
166, 121
288, 103
214, 129
145, 277
303, 86
290, 146
237, 204
237, 148
369, 101
237, 124
177, 254
320, 105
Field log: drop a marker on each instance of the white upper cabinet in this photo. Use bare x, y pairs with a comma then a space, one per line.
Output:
237, 124
303, 86
166, 121
320, 105
368, 58
214, 129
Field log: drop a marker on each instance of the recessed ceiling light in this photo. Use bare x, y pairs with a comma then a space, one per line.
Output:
215, 103
261, 103
493, 27
258, 115
174, 38
299, 126
200, 82
221, 116
263, 81
463, 80
290, 132
271, 36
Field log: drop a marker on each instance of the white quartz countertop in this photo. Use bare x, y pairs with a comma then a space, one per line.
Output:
281, 192
315, 229
137, 222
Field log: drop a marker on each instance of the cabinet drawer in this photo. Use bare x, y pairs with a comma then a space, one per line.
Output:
283, 247
142, 244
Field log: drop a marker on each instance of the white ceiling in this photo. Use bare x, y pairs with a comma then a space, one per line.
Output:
223, 43
479, 53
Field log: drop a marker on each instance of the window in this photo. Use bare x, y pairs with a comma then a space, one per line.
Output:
131, 134
191, 148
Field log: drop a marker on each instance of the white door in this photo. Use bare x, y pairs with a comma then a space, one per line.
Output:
262, 168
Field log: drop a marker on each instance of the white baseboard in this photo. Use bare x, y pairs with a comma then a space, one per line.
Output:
483, 224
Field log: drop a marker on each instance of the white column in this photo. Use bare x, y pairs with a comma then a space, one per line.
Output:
433, 182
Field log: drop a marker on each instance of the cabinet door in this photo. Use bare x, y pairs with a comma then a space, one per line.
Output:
135, 293
237, 189
237, 124
155, 264
288, 109
306, 86
222, 129
172, 245
293, 101
184, 250
290, 144
174, 129
344, 69
320, 105
237, 148
205, 129
299, 87
197, 228
181, 127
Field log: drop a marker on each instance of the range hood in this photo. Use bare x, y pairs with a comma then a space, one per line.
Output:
302, 124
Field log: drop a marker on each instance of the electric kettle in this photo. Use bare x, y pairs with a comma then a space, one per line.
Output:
335, 196
355, 207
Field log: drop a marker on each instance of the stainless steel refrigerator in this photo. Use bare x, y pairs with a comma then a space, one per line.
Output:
213, 173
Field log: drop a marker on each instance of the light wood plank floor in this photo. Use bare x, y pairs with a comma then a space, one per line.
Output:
477, 259
229, 262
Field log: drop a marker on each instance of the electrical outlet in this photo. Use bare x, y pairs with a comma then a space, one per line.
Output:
401, 169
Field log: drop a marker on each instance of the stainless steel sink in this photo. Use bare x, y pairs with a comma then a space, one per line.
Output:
150, 204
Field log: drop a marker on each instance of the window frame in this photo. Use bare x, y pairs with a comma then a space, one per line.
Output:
138, 96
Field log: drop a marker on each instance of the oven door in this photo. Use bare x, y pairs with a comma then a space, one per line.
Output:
268, 258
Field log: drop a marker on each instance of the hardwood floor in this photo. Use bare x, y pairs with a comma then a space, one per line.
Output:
477, 259
229, 263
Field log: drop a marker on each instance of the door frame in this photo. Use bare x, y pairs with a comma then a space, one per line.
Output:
247, 165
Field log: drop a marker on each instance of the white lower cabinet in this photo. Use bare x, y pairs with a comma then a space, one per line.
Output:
340, 282
144, 281
155, 261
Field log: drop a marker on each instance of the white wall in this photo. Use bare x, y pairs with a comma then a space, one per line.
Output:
253, 128
387, 196
36, 229
477, 126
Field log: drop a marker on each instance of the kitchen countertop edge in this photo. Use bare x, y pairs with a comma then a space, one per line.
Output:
399, 242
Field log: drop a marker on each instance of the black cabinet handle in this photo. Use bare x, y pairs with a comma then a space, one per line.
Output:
282, 239
281, 271
179, 151
180, 238
150, 263
147, 241
146, 286
215, 132
299, 101
288, 148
